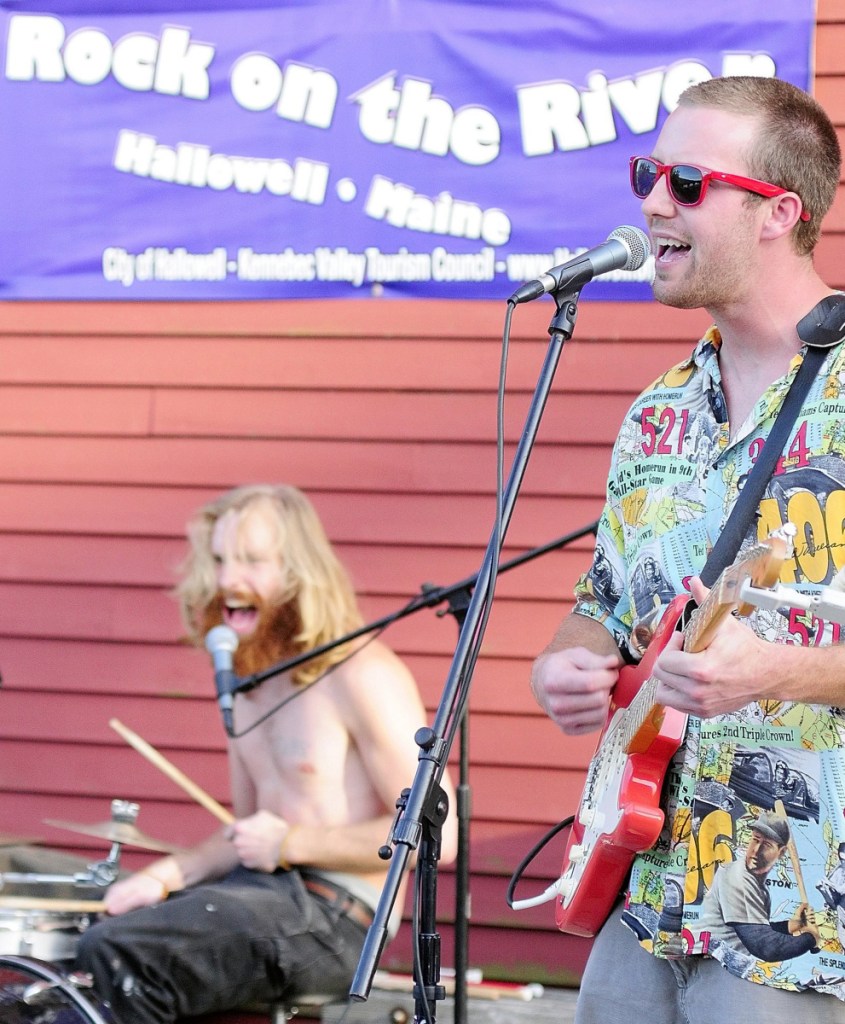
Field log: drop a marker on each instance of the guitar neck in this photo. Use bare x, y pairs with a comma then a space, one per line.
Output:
644, 716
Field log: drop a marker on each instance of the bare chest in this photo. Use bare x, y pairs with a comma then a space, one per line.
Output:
301, 758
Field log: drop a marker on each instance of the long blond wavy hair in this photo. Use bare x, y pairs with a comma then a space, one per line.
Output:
314, 579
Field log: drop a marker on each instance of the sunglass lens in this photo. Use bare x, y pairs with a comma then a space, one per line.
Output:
686, 184
643, 177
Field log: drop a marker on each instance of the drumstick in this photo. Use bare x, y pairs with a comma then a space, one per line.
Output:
172, 772
478, 990
46, 903
780, 810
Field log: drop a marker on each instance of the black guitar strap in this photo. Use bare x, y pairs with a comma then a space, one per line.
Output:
821, 329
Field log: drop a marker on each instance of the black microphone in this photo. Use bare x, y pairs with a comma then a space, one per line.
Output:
626, 248
221, 643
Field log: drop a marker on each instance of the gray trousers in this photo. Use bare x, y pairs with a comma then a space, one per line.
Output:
624, 983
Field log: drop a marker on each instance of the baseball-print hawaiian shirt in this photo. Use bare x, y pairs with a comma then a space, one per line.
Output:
675, 475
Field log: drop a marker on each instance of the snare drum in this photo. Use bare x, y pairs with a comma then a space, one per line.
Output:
44, 928
33, 992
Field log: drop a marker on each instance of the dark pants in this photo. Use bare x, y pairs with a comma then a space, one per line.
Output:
248, 938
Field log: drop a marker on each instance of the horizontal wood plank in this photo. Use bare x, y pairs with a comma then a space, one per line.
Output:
141, 615
340, 318
264, 413
360, 366
423, 416
829, 45
150, 561
400, 467
57, 667
524, 796
828, 12
59, 411
462, 520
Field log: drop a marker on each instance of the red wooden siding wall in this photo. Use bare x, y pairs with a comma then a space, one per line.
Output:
118, 419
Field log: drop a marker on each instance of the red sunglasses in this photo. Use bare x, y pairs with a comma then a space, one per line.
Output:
688, 183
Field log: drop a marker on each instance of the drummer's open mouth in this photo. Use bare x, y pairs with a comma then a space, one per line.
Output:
241, 615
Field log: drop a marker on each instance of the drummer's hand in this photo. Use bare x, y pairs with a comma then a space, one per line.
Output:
258, 839
138, 890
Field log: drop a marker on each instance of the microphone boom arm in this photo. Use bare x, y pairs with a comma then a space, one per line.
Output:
428, 598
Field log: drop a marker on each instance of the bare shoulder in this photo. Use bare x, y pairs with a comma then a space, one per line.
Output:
373, 664
376, 675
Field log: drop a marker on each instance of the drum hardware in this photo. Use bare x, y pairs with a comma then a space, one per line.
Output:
39, 921
119, 831
44, 991
53, 997
45, 929
101, 874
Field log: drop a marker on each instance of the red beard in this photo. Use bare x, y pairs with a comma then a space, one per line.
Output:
271, 641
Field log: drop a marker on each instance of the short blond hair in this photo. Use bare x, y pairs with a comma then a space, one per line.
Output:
795, 146
314, 579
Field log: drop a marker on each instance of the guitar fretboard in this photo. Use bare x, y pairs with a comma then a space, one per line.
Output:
719, 601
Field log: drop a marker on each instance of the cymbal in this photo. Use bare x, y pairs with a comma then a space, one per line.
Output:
7, 839
115, 832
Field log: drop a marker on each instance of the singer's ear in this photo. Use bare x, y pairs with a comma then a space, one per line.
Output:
784, 214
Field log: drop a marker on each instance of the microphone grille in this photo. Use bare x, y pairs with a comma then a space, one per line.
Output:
636, 242
221, 638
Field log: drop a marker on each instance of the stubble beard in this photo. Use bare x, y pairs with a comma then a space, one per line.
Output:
692, 291
712, 276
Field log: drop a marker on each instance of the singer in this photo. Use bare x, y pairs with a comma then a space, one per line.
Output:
279, 902
743, 172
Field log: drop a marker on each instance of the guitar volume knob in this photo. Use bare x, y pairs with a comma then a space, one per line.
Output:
592, 818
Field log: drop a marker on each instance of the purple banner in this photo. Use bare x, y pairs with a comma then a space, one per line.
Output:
328, 148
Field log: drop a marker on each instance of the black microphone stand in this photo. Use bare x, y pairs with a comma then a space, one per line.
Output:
422, 809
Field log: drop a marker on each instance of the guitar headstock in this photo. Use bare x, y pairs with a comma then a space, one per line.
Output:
761, 565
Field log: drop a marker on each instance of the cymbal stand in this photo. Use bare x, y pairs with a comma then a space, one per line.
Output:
100, 873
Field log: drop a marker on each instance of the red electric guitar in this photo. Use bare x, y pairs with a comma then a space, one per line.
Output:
619, 814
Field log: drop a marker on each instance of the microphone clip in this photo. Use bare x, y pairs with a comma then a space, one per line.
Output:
246, 684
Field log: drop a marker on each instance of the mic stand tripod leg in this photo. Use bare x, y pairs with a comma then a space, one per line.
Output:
428, 938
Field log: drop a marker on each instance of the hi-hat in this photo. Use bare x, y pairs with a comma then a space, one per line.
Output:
115, 832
